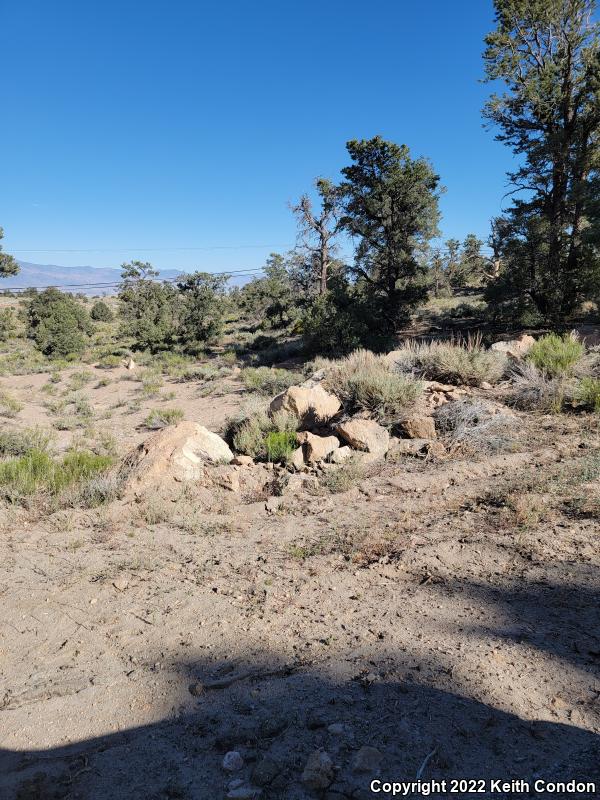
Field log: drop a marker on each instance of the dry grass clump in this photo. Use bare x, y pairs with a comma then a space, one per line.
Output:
163, 417
465, 363
366, 382
533, 390
268, 380
477, 427
587, 393
343, 478
19, 441
9, 405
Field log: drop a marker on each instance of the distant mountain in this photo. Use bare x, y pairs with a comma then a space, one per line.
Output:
103, 280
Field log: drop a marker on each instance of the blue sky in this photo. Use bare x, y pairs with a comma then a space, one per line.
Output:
137, 126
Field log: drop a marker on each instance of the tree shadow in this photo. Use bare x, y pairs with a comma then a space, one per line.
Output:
276, 716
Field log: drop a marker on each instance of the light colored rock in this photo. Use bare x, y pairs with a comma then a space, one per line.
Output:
341, 454
311, 404
243, 461
318, 772
296, 460
368, 759
179, 452
273, 504
233, 761
365, 434
419, 426
515, 348
130, 364
121, 583
317, 448
226, 477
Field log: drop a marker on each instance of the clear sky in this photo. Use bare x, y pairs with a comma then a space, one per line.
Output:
133, 125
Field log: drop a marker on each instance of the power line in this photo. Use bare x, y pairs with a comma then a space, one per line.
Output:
153, 249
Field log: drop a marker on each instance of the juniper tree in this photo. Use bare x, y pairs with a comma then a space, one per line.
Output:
8, 264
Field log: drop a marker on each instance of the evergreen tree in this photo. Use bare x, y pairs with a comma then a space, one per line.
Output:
391, 207
547, 54
8, 264
148, 308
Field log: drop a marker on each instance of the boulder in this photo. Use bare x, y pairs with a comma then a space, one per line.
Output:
311, 404
179, 452
317, 448
418, 426
514, 348
243, 461
296, 460
365, 434
341, 454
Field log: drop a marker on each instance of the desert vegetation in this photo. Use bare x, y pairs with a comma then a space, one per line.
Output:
283, 537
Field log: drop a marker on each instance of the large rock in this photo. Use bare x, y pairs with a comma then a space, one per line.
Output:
515, 348
311, 404
318, 772
365, 434
317, 448
179, 452
418, 426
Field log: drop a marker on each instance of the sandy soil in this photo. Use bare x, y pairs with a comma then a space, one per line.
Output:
423, 613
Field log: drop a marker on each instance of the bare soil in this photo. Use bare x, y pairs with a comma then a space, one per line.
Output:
443, 612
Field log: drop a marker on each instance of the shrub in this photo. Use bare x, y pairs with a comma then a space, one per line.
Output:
280, 445
533, 390
163, 417
8, 324
36, 470
9, 405
110, 362
465, 363
587, 393
79, 379
555, 355
18, 442
476, 427
268, 380
249, 432
344, 477
57, 323
101, 312
364, 381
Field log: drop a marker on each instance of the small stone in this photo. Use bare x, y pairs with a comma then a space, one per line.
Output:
318, 772
265, 771
244, 793
197, 689
316, 719
340, 455
367, 759
336, 728
418, 427
121, 583
243, 461
273, 504
297, 458
233, 761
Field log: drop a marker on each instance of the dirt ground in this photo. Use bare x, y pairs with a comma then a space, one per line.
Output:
442, 614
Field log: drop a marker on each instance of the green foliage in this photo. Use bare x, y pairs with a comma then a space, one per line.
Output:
8, 324
556, 355
272, 300
101, 312
391, 205
57, 323
268, 380
588, 393
8, 264
110, 362
366, 382
547, 54
149, 309
249, 434
163, 417
280, 445
36, 471
204, 308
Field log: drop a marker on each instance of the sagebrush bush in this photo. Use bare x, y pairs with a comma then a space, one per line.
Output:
268, 380
163, 417
36, 470
18, 442
249, 432
101, 312
344, 477
555, 355
464, 363
365, 381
